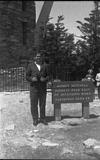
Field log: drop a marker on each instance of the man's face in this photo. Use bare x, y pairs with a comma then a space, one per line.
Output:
38, 59
90, 71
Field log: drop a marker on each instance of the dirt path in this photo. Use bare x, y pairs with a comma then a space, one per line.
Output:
59, 140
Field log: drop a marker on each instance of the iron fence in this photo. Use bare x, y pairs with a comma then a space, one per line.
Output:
13, 79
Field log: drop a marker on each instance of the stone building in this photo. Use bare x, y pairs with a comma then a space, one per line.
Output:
17, 23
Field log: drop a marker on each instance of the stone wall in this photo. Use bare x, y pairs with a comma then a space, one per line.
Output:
17, 23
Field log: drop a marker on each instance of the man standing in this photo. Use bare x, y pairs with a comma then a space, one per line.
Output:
38, 75
89, 76
98, 82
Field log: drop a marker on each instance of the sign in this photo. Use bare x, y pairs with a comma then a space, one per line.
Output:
72, 92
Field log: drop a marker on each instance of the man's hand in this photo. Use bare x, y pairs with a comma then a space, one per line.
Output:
34, 79
42, 79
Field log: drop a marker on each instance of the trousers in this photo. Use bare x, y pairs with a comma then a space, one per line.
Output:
38, 97
99, 92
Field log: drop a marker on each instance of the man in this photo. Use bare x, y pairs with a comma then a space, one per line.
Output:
98, 82
89, 76
38, 75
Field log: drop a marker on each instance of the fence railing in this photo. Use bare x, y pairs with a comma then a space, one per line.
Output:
13, 79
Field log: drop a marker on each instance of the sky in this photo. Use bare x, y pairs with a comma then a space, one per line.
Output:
71, 10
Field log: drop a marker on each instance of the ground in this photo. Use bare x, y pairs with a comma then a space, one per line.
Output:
59, 140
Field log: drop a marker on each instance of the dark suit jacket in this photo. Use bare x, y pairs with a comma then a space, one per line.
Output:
32, 71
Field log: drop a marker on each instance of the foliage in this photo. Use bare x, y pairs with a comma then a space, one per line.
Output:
17, 23
90, 43
58, 45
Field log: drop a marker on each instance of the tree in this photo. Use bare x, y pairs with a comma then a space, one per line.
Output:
83, 61
91, 36
58, 45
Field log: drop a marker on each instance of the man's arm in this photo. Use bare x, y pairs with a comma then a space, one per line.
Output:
46, 78
29, 74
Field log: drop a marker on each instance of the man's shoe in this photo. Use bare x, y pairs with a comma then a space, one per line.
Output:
35, 122
43, 121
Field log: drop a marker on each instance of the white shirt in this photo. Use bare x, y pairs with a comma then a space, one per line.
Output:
38, 66
98, 79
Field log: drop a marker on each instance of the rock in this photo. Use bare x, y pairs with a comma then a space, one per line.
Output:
35, 130
97, 149
92, 146
31, 134
22, 141
73, 122
10, 127
66, 151
49, 144
41, 126
34, 144
90, 143
56, 125
19, 141
59, 137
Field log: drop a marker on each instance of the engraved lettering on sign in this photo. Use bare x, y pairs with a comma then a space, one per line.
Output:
75, 91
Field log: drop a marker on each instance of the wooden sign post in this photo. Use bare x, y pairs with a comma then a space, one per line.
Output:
85, 110
57, 111
72, 92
